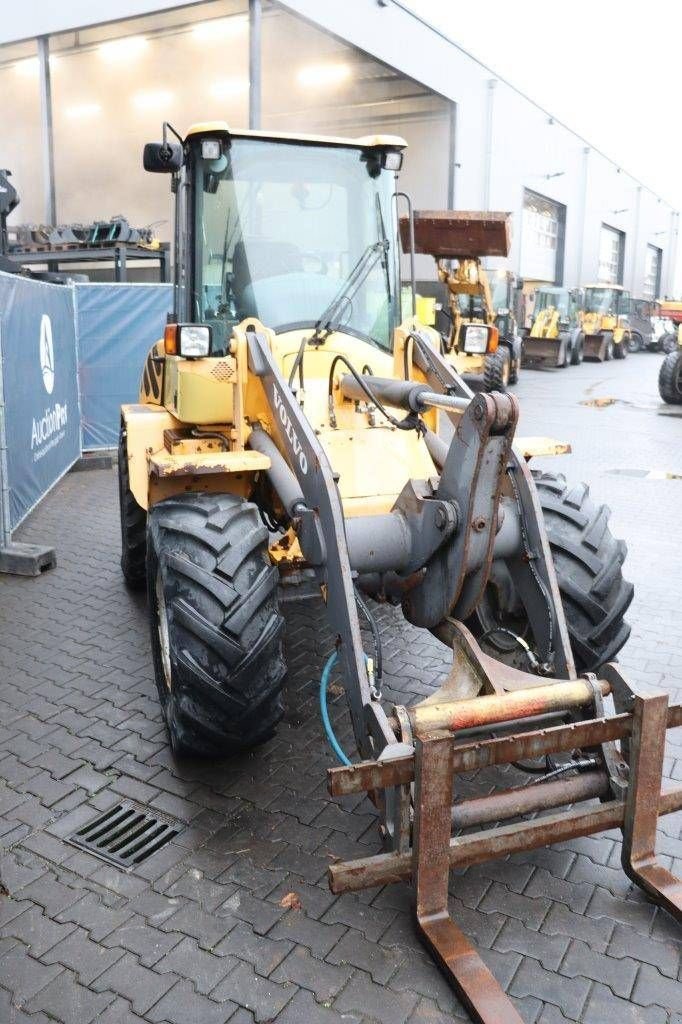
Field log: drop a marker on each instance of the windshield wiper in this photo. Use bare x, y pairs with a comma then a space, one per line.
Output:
374, 252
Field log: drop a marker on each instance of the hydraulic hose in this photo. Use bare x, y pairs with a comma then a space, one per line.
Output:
324, 683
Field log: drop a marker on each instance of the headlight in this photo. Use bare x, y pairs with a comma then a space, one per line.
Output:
192, 341
475, 339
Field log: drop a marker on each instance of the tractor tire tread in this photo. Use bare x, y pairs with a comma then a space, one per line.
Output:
588, 560
133, 523
668, 377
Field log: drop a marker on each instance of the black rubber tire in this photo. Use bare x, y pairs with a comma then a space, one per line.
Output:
133, 523
636, 342
670, 378
564, 339
608, 349
588, 561
496, 371
207, 559
578, 350
668, 343
620, 350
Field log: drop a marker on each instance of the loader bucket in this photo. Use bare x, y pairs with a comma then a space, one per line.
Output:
458, 234
543, 352
595, 347
449, 735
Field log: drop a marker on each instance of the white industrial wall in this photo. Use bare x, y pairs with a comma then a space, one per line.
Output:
523, 143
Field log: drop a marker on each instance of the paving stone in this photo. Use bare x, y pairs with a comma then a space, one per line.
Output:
420, 974
207, 929
68, 1001
618, 974
37, 931
575, 895
77, 951
596, 933
263, 953
548, 949
568, 993
182, 1004
634, 912
603, 1006
263, 996
304, 1010
365, 997
372, 921
203, 969
652, 988
529, 910
148, 943
93, 915
51, 894
141, 986
260, 914
23, 976
354, 949
318, 937
323, 979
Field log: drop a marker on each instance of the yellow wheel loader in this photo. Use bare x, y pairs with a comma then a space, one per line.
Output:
554, 338
290, 428
458, 240
603, 318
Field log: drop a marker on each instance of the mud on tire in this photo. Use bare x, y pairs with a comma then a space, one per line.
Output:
588, 561
133, 523
220, 673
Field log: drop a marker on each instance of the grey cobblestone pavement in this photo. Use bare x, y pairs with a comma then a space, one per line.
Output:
202, 933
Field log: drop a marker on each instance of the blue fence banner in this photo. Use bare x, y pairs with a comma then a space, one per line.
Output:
42, 419
116, 325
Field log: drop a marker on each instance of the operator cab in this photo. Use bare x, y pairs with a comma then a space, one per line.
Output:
288, 230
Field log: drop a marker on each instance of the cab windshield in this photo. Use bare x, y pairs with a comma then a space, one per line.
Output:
280, 227
557, 298
603, 300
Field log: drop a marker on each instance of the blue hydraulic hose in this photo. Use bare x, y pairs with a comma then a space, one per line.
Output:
324, 682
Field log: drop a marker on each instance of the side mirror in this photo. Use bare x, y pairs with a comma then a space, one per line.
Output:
162, 157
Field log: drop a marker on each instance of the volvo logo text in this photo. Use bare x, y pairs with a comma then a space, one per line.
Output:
298, 452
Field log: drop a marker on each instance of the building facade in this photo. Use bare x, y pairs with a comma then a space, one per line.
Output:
80, 94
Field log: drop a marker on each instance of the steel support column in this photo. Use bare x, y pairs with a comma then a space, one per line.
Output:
255, 13
47, 137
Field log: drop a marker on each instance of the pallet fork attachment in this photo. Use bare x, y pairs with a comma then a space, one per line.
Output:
421, 785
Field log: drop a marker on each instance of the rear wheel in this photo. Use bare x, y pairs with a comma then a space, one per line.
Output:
496, 371
635, 342
133, 522
588, 562
215, 628
670, 378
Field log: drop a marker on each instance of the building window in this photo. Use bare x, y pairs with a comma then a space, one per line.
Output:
652, 272
542, 238
611, 255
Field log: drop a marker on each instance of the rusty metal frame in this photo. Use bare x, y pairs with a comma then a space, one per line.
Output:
439, 757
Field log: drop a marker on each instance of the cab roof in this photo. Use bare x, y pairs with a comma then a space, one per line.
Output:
613, 287
363, 142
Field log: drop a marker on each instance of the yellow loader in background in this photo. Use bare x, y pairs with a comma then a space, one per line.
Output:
604, 324
458, 240
554, 338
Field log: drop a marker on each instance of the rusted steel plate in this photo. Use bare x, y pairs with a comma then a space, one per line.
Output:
458, 234
368, 775
647, 749
399, 771
163, 464
511, 803
384, 868
476, 987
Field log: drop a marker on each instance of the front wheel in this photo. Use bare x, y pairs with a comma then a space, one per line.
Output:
620, 349
133, 522
588, 561
670, 378
635, 342
215, 628
668, 343
496, 371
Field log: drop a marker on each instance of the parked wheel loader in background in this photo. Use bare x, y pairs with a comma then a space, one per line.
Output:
503, 289
473, 345
289, 427
603, 317
554, 338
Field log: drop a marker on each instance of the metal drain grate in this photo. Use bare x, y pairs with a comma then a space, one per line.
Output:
125, 835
